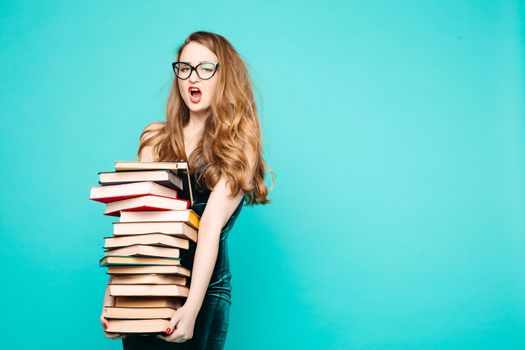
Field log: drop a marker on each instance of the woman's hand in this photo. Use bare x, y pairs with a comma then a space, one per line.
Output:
104, 322
108, 301
181, 325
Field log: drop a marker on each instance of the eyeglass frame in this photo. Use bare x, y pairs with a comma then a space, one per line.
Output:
194, 69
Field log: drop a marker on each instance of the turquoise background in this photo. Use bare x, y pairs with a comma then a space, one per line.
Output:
395, 129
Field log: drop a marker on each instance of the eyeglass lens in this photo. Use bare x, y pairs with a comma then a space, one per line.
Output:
205, 70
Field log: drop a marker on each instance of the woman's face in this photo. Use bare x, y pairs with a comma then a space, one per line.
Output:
195, 53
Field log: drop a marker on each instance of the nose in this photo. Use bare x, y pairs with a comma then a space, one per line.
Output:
193, 76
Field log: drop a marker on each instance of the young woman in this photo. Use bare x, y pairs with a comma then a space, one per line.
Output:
212, 123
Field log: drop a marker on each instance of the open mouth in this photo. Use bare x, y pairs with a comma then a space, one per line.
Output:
195, 94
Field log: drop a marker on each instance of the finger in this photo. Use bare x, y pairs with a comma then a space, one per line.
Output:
169, 330
163, 337
173, 324
177, 336
115, 335
169, 338
111, 336
104, 323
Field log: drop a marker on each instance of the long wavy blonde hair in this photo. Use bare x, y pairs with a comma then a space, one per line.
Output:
232, 127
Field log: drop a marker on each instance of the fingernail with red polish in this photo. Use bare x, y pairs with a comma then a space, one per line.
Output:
105, 325
168, 330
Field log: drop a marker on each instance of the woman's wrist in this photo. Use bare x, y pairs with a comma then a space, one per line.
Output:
192, 306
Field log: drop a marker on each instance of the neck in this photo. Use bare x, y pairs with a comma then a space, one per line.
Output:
197, 119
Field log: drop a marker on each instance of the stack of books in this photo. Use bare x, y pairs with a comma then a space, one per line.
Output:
156, 225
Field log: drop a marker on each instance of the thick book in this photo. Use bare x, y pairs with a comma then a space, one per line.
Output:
115, 270
123, 301
138, 312
147, 202
188, 216
169, 290
174, 228
144, 250
149, 279
137, 260
112, 193
155, 239
137, 326
162, 177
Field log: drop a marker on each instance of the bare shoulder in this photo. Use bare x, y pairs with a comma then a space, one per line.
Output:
145, 152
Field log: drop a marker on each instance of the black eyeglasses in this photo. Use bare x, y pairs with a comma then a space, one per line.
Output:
205, 70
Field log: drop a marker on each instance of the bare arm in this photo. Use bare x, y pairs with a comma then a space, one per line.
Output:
219, 208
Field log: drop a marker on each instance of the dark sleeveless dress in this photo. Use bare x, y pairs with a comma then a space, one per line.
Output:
211, 325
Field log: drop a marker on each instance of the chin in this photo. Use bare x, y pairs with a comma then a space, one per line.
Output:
198, 108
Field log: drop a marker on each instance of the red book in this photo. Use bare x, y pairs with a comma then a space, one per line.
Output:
148, 202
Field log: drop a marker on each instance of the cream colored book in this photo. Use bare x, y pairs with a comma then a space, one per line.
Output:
123, 165
156, 239
188, 216
144, 250
149, 279
168, 290
134, 270
173, 228
138, 312
137, 326
123, 301
136, 260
